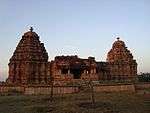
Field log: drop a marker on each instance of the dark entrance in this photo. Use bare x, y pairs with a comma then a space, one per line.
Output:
76, 73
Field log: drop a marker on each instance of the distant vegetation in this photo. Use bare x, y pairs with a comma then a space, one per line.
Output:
144, 77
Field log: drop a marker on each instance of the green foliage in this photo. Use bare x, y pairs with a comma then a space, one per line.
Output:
144, 77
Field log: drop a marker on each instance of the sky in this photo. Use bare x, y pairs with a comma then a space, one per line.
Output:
77, 27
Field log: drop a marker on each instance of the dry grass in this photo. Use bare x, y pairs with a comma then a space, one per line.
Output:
76, 103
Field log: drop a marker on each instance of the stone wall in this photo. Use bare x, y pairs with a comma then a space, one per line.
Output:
115, 88
141, 86
35, 90
47, 90
6, 88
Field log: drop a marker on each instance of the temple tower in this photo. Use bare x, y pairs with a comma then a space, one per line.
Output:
28, 65
121, 63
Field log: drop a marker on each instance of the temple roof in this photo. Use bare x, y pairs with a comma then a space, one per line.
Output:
30, 33
118, 43
119, 52
30, 48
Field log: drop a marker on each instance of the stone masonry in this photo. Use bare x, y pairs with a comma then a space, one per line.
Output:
29, 64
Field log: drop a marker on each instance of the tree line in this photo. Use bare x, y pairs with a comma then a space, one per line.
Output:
144, 77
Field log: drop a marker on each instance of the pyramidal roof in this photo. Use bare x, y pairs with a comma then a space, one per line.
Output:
30, 48
119, 52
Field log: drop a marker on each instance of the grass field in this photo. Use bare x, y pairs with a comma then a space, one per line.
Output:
76, 103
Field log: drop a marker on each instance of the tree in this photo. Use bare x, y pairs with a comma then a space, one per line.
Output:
144, 77
91, 86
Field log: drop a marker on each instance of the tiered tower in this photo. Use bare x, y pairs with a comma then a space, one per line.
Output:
29, 61
122, 64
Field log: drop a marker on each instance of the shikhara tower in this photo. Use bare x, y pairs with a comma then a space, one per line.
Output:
29, 61
122, 64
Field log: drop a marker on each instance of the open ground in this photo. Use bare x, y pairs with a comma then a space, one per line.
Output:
76, 103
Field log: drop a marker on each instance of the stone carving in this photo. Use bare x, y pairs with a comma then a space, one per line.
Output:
29, 64
29, 61
121, 63
72, 67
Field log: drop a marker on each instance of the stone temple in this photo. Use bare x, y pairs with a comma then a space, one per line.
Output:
29, 64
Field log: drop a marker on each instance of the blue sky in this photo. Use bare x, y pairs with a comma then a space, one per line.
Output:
82, 27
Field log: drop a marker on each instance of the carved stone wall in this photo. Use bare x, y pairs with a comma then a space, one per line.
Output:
28, 64
68, 68
121, 63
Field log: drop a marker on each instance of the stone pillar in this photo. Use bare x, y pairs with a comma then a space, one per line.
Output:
59, 71
91, 71
22, 71
84, 72
27, 78
12, 70
68, 71
43, 73
37, 72
48, 72
94, 70
17, 78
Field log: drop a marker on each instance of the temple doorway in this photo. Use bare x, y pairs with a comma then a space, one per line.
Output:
76, 73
